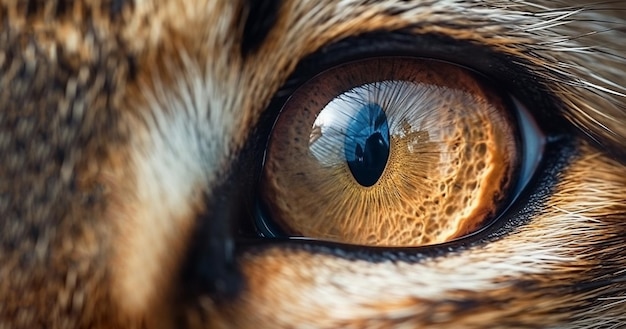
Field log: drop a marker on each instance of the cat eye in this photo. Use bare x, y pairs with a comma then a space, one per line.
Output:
394, 151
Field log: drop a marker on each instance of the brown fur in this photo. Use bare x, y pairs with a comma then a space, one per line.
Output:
102, 181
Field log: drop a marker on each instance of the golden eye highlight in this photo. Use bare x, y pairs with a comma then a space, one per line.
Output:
390, 151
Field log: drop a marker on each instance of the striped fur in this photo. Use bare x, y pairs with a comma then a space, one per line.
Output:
119, 120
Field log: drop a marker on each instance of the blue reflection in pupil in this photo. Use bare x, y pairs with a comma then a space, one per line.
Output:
367, 144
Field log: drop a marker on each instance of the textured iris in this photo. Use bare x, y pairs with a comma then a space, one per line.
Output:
389, 151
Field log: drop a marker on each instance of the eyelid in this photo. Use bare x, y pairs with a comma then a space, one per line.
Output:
512, 74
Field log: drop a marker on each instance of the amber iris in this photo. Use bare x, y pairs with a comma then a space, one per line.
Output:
390, 151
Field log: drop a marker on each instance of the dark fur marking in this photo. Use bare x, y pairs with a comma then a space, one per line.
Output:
261, 17
60, 8
210, 266
117, 6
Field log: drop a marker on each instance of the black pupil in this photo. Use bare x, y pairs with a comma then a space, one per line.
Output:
367, 144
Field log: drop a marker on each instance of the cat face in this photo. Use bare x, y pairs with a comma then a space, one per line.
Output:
146, 146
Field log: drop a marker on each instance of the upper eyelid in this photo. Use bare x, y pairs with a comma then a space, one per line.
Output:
516, 75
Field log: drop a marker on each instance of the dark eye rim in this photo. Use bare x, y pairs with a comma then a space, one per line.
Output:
510, 73
529, 138
558, 154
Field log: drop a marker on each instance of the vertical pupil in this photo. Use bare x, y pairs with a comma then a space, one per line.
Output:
367, 144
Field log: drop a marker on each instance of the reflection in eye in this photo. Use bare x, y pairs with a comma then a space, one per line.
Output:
390, 151
361, 128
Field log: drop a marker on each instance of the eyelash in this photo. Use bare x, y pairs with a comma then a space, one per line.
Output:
503, 70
